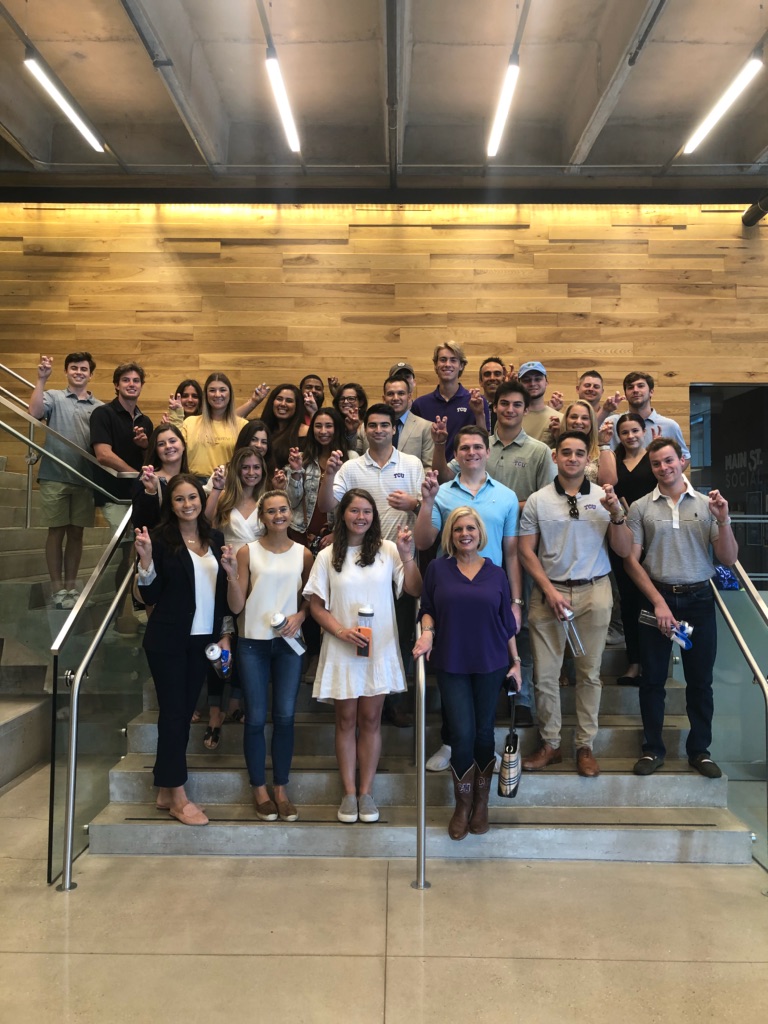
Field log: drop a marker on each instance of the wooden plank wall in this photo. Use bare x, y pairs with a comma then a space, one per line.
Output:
270, 293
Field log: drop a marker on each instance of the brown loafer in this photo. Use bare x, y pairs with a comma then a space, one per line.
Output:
544, 755
286, 811
189, 814
266, 811
586, 764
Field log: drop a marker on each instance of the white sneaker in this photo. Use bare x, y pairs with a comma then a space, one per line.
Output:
368, 809
497, 763
60, 597
347, 812
440, 759
615, 637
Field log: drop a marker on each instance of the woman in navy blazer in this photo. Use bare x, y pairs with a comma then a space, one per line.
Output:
180, 574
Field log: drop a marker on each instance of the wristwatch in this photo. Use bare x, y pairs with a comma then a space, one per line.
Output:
518, 600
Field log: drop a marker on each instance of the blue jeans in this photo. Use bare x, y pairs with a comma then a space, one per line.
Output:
260, 660
469, 705
698, 609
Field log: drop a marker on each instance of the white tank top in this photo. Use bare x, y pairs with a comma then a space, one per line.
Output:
275, 585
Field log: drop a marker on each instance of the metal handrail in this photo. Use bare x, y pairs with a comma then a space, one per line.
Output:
751, 590
74, 720
741, 643
82, 452
114, 542
14, 398
70, 469
420, 683
17, 376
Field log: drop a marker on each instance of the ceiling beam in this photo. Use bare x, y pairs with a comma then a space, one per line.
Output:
597, 91
165, 30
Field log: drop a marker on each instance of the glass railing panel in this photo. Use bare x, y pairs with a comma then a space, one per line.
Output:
739, 729
110, 696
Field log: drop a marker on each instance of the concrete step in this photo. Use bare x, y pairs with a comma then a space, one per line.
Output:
216, 778
23, 671
25, 735
691, 835
619, 736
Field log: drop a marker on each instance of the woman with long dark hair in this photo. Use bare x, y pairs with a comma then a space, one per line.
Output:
305, 471
188, 397
180, 574
634, 478
284, 417
210, 437
357, 571
351, 403
166, 457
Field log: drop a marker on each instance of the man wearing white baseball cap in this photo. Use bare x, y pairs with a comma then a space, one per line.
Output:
533, 377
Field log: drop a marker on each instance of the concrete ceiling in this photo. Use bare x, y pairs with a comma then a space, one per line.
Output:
608, 92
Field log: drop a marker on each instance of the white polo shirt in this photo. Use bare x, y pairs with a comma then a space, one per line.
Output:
402, 472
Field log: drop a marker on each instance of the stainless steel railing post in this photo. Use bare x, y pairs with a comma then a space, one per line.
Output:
420, 684
31, 460
74, 720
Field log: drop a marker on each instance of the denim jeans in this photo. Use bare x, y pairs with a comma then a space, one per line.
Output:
698, 609
469, 706
260, 660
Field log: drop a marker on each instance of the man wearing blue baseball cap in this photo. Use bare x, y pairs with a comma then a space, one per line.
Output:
533, 377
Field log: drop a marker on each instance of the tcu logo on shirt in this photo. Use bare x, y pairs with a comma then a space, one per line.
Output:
590, 506
399, 476
461, 408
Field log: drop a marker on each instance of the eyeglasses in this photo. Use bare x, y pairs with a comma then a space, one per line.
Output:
349, 401
573, 508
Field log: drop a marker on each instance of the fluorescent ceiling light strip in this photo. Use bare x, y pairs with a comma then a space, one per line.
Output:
61, 101
731, 94
502, 110
283, 106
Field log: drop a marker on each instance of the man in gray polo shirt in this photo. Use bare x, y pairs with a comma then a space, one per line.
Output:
563, 546
675, 526
67, 502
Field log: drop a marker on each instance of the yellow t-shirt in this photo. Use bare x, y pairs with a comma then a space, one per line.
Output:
205, 453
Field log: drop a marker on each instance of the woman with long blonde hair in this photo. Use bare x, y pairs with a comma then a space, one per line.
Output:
210, 437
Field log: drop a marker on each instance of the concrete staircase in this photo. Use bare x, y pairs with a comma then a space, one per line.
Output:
674, 816
22, 551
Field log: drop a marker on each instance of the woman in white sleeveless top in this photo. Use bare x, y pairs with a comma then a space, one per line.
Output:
266, 577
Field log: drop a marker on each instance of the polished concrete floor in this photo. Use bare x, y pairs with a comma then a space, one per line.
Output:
350, 942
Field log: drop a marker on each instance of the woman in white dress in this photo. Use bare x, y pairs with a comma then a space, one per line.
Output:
359, 569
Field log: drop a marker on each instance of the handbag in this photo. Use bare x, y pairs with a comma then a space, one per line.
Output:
511, 762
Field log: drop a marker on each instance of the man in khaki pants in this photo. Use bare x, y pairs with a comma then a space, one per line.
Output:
562, 544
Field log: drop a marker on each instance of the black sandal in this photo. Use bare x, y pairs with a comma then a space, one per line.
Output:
237, 716
212, 737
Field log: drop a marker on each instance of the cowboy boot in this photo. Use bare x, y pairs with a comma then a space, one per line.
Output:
458, 826
478, 825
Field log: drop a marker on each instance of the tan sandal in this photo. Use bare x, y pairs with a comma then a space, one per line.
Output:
189, 814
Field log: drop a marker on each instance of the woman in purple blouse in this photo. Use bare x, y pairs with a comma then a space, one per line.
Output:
468, 634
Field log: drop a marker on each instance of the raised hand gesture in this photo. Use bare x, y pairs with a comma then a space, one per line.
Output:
295, 461
612, 403
404, 542
44, 368
605, 434
229, 560
476, 401
610, 501
430, 486
439, 430
556, 400
149, 479
334, 463
143, 547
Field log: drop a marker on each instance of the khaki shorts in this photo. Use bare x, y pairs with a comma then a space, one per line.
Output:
114, 514
65, 504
